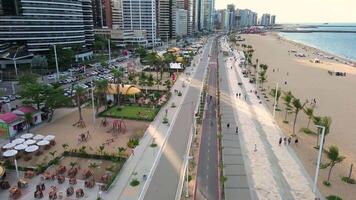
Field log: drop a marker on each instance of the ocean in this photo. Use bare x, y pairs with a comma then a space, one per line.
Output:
339, 44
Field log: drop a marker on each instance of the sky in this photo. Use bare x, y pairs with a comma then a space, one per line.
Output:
299, 11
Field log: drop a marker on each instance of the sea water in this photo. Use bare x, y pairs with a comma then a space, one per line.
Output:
339, 44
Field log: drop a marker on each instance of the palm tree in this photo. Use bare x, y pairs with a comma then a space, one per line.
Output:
101, 149
297, 107
80, 95
121, 152
72, 164
310, 113
100, 91
118, 80
273, 94
28, 120
263, 77
65, 146
288, 97
53, 154
334, 157
154, 60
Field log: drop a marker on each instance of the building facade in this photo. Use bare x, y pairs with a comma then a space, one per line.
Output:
40, 24
247, 18
273, 20
265, 20
140, 15
181, 22
167, 19
102, 16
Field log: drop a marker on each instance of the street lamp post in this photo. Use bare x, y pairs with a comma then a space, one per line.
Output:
56, 58
109, 49
275, 101
319, 158
92, 102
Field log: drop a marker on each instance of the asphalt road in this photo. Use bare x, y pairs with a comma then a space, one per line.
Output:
207, 177
166, 177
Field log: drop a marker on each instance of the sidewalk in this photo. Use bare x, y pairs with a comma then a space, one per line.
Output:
145, 156
276, 171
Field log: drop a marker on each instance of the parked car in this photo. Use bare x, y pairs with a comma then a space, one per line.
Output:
51, 77
4, 100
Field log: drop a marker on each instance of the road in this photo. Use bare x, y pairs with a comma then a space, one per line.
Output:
207, 175
166, 177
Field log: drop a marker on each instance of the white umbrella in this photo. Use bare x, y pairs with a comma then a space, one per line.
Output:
38, 137
9, 146
11, 153
30, 142
27, 136
31, 148
43, 143
49, 137
21, 147
18, 141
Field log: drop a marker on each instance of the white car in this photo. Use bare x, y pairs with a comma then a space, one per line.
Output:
4, 100
51, 77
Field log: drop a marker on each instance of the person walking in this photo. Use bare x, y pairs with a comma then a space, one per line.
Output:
228, 125
280, 141
237, 130
289, 140
285, 140
296, 141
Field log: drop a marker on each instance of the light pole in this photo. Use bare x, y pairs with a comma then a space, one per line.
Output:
275, 101
319, 158
109, 49
56, 58
92, 102
14, 60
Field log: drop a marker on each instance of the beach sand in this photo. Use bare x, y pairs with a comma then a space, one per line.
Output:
335, 97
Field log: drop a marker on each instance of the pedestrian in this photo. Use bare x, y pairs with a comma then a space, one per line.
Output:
237, 95
228, 125
285, 82
280, 141
285, 140
166, 112
237, 130
296, 141
289, 140
255, 148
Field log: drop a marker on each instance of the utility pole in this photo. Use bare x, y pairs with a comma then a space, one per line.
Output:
109, 49
56, 58
275, 101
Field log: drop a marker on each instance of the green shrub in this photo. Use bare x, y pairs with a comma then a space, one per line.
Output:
133, 142
333, 197
134, 183
347, 180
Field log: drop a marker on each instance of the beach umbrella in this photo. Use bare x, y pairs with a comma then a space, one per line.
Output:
31, 148
38, 137
12, 153
27, 136
43, 143
49, 137
30, 142
21, 147
18, 141
9, 145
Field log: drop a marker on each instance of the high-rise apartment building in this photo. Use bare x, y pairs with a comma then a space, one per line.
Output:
247, 18
181, 22
37, 24
88, 22
273, 20
231, 16
102, 16
117, 14
140, 15
167, 19
187, 5
265, 20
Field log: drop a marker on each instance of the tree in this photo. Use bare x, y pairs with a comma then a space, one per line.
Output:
121, 152
54, 98
27, 79
101, 87
101, 149
65, 146
262, 77
65, 57
72, 164
154, 60
80, 95
273, 94
288, 97
118, 74
28, 120
141, 51
39, 62
53, 154
310, 113
334, 157
298, 106
33, 93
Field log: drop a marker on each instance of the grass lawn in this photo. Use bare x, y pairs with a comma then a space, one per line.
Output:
132, 112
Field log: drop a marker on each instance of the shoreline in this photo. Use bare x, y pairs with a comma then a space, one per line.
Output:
308, 80
340, 59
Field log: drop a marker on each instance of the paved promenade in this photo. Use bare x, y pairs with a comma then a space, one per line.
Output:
163, 164
275, 171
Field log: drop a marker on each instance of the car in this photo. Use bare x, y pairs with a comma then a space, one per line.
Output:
11, 97
18, 96
4, 100
51, 77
